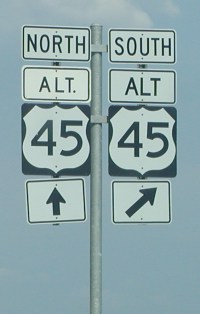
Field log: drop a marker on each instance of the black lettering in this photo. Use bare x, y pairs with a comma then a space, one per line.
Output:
57, 40
70, 79
44, 84
155, 80
131, 85
33, 43
80, 44
56, 86
142, 47
44, 43
69, 42
117, 42
155, 45
167, 46
142, 93
132, 51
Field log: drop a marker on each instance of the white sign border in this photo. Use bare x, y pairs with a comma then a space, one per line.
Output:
56, 68
141, 221
142, 101
56, 221
142, 30
57, 28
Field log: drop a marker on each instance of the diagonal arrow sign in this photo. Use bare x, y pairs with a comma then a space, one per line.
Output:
148, 196
55, 198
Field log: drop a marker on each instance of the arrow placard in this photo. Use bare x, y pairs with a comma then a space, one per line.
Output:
141, 201
55, 201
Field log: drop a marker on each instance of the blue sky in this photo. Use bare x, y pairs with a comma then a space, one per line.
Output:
147, 269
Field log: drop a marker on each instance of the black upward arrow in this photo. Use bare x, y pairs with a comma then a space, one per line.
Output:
55, 198
148, 196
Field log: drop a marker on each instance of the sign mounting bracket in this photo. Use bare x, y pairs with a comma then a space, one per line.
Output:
98, 119
99, 48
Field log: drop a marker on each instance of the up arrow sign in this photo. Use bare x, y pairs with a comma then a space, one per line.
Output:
148, 196
44, 198
55, 198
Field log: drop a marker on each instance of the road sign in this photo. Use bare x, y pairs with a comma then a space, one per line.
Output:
56, 84
55, 201
142, 141
55, 139
136, 86
142, 46
141, 201
56, 43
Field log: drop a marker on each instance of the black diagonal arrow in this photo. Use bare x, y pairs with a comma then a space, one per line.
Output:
148, 196
55, 198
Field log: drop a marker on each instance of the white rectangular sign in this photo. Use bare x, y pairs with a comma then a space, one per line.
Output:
142, 86
56, 84
55, 201
56, 43
142, 46
141, 201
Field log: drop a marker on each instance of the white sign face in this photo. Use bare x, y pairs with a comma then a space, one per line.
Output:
56, 84
136, 86
55, 139
142, 141
55, 201
142, 46
56, 43
141, 201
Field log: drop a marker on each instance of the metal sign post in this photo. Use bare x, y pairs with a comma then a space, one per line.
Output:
96, 175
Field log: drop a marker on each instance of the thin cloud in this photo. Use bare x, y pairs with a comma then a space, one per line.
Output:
171, 8
108, 12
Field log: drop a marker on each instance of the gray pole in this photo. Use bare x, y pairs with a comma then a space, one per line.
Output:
96, 174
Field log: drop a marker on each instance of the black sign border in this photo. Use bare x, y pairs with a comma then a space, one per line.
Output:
114, 170
29, 169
